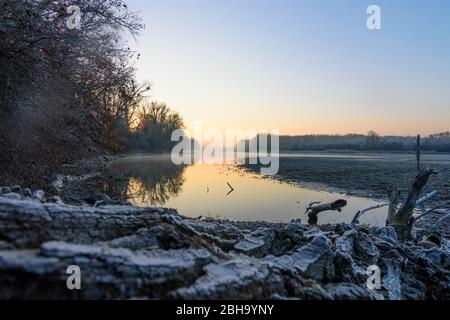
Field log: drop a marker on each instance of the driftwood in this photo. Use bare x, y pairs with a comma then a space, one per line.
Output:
393, 208
28, 224
406, 210
393, 196
315, 208
402, 220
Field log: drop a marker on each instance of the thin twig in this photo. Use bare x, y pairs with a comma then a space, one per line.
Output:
361, 212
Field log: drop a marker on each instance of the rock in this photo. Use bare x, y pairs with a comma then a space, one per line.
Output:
142, 239
383, 245
269, 241
156, 253
386, 233
12, 196
366, 250
25, 261
391, 282
314, 232
39, 195
28, 224
26, 192
438, 257
351, 291
107, 272
296, 225
257, 243
245, 278
5, 190
5, 245
341, 228
56, 199
347, 269
428, 245
435, 237
315, 260
15, 189
100, 199
345, 243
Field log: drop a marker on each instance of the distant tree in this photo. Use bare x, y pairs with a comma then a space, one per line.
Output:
373, 140
155, 124
443, 136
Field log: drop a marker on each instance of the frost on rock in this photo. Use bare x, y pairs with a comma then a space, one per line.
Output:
129, 252
314, 260
257, 243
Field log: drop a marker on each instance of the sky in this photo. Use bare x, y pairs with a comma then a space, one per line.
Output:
301, 66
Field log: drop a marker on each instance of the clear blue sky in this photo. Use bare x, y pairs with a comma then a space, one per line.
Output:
303, 66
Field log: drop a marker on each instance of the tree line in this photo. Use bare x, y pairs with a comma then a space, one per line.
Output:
439, 142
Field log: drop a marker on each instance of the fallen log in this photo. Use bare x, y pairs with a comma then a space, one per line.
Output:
28, 224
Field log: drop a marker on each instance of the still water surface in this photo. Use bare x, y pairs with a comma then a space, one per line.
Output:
202, 190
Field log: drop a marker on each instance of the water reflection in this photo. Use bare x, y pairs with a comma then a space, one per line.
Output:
203, 190
146, 180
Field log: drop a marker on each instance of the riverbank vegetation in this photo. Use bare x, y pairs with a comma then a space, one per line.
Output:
70, 93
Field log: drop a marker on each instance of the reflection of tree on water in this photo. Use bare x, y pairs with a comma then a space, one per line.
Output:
146, 182
155, 192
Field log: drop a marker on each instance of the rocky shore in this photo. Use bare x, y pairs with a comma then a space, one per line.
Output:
127, 252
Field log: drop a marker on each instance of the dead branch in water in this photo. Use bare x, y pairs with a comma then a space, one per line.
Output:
315, 208
361, 212
393, 208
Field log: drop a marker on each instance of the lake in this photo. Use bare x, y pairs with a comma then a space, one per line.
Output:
203, 190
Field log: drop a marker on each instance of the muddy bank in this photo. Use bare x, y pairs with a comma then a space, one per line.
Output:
129, 252
366, 177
